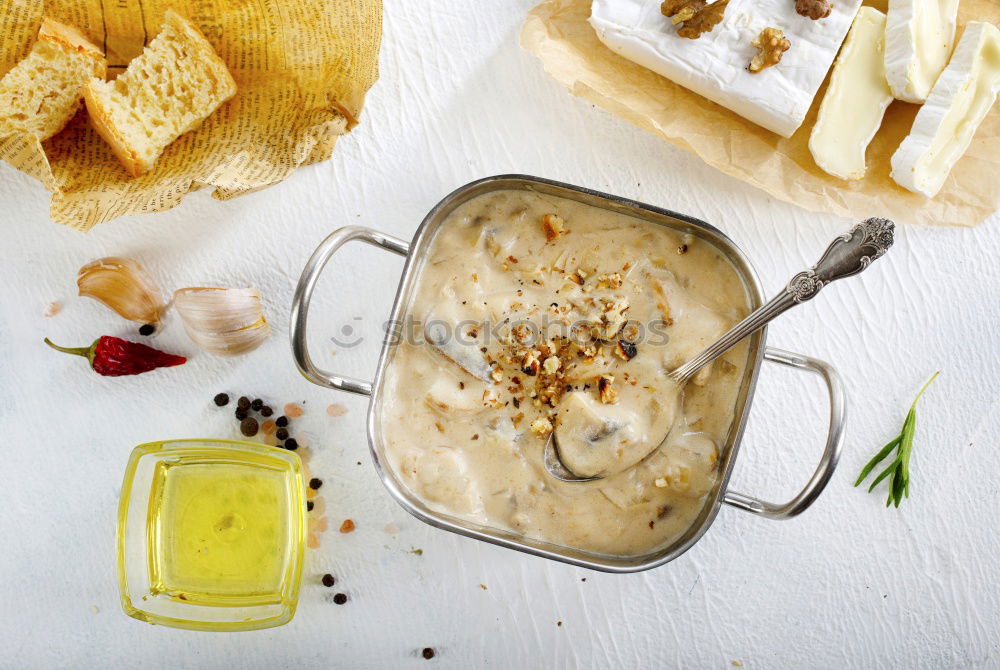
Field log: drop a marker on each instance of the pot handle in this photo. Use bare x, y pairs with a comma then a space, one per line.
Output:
831, 454
303, 294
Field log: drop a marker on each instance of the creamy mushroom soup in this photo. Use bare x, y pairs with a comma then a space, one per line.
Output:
535, 315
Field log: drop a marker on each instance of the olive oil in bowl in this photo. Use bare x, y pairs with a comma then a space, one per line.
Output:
211, 535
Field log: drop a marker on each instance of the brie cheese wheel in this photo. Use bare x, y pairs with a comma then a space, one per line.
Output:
957, 105
715, 64
919, 36
855, 100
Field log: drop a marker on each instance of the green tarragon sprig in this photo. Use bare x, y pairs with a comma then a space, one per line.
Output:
898, 471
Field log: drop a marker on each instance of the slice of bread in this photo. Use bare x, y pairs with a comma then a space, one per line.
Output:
166, 91
39, 95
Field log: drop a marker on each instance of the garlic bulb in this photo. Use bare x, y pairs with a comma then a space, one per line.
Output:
123, 285
224, 321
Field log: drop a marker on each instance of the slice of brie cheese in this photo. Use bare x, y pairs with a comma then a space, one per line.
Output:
919, 36
715, 64
855, 100
957, 105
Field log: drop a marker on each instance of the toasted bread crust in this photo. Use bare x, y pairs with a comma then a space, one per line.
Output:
71, 38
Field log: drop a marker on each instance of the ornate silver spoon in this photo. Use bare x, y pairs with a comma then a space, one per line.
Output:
846, 256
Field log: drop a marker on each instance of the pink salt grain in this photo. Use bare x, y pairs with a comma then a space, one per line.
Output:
293, 410
336, 409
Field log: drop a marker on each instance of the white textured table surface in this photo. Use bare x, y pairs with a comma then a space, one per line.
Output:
847, 584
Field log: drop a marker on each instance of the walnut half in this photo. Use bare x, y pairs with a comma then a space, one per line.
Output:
814, 9
771, 44
680, 11
695, 16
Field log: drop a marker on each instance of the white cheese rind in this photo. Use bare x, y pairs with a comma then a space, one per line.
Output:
919, 36
957, 105
855, 100
715, 64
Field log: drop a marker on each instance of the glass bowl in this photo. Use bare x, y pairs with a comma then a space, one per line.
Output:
211, 534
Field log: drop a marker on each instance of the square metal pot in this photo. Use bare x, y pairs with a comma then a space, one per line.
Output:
415, 253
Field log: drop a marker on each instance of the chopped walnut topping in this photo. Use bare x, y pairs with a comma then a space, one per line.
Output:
609, 396
491, 398
496, 375
551, 364
770, 45
625, 350
612, 318
530, 362
577, 277
612, 280
681, 250
554, 226
522, 333
541, 427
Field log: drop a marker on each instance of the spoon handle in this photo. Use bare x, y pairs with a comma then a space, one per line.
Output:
846, 256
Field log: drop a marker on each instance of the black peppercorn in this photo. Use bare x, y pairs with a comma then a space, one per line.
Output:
309, 505
340, 598
243, 402
222, 399
147, 329
291, 444
266, 411
281, 421
256, 404
315, 483
328, 580
427, 653
241, 413
281, 433
248, 426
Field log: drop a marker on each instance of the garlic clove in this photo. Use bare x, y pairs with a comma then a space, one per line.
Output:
224, 321
123, 285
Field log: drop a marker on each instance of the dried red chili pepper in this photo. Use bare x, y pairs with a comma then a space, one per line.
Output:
114, 357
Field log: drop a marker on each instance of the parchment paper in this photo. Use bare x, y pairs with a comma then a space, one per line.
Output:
302, 68
557, 32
